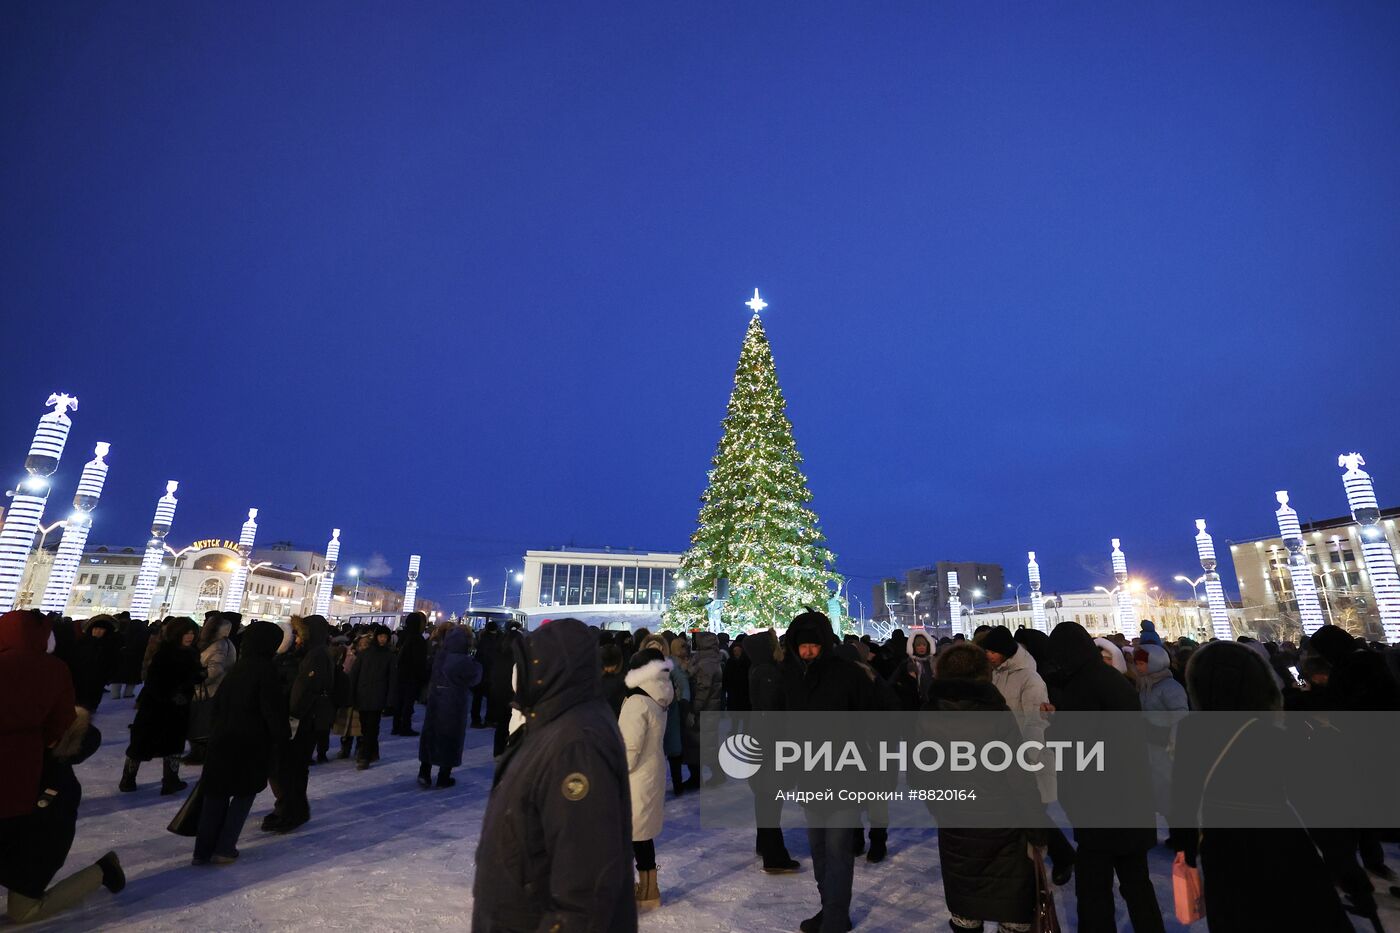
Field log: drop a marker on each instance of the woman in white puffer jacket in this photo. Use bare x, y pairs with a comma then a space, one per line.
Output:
643, 725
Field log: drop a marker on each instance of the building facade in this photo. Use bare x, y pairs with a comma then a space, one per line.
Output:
610, 588
1097, 612
1333, 549
977, 582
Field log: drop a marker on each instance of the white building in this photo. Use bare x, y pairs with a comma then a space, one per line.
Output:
1097, 612
608, 588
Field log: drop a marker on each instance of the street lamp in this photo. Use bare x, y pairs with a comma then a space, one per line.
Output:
471, 595
914, 595
1017, 592
26, 593
972, 605
355, 596
1195, 596
505, 589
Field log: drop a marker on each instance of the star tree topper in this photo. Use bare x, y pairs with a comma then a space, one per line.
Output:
757, 303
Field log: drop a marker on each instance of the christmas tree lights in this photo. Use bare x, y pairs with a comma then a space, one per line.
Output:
756, 527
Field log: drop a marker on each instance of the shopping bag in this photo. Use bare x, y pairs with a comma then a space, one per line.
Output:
1046, 919
1187, 891
186, 822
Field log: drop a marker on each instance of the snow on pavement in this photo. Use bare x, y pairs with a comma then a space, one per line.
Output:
382, 853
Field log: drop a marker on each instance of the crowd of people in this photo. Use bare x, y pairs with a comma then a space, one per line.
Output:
591, 727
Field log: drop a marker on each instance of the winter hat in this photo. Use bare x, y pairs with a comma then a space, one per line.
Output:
810, 628
1226, 675
963, 661
1149, 633
643, 658
1332, 643
1154, 656
998, 638
1114, 653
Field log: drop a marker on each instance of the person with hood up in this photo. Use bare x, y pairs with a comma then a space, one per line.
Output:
217, 654
371, 680
684, 684
643, 726
162, 720
249, 733
347, 718
816, 678
412, 668
36, 707
309, 706
555, 850
1113, 656
35, 844
987, 873
1237, 864
706, 670
674, 744
446, 718
1149, 634
1086, 682
912, 678
487, 645
614, 684
1164, 704
765, 656
135, 634
92, 660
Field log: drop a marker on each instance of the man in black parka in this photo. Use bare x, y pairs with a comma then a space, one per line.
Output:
310, 698
556, 841
413, 672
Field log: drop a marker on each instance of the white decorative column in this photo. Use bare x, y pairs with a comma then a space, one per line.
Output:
1215, 593
955, 622
1038, 620
1375, 547
75, 532
154, 558
233, 599
1127, 610
410, 590
323, 591
26, 508
1304, 588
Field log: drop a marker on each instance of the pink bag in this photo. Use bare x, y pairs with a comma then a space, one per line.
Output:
1186, 888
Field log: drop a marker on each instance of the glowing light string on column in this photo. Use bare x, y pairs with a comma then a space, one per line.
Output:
1375, 547
1304, 588
1038, 620
324, 590
955, 622
1127, 610
26, 508
75, 532
1215, 593
410, 590
154, 558
233, 599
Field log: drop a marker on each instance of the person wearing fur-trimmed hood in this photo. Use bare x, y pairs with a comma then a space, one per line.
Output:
643, 725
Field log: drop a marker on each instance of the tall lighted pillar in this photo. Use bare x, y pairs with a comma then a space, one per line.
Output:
26, 509
233, 599
1375, 547
410, 590
955, 622
323, 591
1127, 611
1215, 593
154, 558
75, 532
1038, 620
1304, 589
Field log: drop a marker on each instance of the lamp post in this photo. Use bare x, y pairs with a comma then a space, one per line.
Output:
26, 593
505, 589
471, 595
1195, 596
1017, 592
172, 581
252, 569
914, 595
355, 596
972, 606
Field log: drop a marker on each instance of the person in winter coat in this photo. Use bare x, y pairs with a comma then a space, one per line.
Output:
35, 844
614, 686
347, 718
1086, 682
1113, 656
893, 654
988, 875
1018, 680
815, 678
643, 726
502, 689
412, 672
912, 678
1237, 864
705, 668
675, 741
217, 654
766, 695
684, 681
555, 850
487, 646
135, 634
856, 653
446, 718
92, 659
371, 680
1164, 703
250, 722
736, 684
163, 709
1149, 634
309, 703
36, 707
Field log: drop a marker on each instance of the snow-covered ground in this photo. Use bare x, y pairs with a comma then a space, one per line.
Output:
381, 853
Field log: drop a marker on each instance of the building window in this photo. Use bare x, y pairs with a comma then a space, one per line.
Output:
108, 581
589, 578
603, 586
546, 584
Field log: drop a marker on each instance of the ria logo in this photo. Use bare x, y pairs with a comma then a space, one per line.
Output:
740, 756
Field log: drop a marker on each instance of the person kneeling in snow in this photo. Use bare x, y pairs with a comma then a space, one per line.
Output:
556, 839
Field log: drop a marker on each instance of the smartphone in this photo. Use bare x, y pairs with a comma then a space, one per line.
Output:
1297, 678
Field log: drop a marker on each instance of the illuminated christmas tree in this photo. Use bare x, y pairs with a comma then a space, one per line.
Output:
756, 530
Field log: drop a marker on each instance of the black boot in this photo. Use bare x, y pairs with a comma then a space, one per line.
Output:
345, 744
878, 840
677, 785
170, 782
858, 846
128, 782
776, 860
113, 878
425, 774
445, 778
